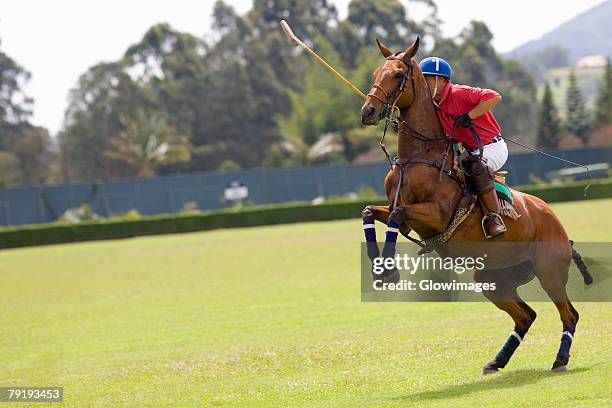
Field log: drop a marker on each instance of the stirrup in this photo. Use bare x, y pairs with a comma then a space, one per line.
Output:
489, 215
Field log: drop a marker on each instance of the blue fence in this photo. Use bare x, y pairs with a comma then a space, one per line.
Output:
170, 194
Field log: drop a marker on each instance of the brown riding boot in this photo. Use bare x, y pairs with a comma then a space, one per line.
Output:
492, 223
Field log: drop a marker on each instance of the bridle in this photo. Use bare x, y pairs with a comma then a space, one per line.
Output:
388, 102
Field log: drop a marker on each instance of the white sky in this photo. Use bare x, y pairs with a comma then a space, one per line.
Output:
58, 40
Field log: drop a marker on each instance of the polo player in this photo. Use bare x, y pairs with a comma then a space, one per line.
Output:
459, 107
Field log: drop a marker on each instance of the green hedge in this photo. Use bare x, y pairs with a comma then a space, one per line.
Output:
570, 191
44, 234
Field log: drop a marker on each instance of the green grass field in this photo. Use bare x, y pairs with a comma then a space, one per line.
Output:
271, 316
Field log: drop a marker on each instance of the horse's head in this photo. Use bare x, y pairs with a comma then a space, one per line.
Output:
393, 83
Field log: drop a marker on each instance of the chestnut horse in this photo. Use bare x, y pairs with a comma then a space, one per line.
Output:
426, 198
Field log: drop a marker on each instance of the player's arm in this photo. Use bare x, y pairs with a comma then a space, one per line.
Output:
484, 106
483, 99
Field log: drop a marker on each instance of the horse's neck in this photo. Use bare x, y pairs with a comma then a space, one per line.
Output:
420, 116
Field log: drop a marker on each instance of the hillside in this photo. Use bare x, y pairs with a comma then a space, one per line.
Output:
586, 34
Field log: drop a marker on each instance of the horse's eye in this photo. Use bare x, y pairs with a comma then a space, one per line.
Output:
399, 75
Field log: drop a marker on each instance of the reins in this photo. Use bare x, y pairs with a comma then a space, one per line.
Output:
533, 149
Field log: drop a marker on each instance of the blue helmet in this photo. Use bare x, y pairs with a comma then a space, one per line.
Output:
436, 66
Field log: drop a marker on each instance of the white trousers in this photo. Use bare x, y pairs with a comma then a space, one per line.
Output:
495, 154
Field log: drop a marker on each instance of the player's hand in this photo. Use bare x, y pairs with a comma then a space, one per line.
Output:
463, 121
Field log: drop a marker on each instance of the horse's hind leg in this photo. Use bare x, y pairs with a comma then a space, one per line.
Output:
552, 265
507, 299
569, 318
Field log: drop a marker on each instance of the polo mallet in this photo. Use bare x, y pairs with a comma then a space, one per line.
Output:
296, 41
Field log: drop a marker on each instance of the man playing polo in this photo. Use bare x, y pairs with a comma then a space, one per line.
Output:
460, 107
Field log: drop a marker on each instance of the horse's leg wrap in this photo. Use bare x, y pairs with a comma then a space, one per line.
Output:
509, 347
396, 218
564, 349
369, 230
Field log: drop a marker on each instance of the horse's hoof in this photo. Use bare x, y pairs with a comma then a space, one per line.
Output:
388, 276
560, 364
391, 276
368, 215
491, 367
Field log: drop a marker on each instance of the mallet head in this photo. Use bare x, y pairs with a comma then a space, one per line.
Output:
290, 36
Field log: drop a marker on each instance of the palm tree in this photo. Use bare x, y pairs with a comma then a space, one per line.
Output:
145, 143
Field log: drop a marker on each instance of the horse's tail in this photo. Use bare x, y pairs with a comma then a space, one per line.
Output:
588, 279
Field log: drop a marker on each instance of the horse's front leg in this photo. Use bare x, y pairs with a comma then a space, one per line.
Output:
370, 214
393, 220
428, 214
376, 212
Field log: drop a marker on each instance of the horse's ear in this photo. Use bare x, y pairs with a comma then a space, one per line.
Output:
384, 50
412, 50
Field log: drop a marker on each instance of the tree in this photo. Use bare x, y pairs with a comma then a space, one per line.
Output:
517, 113
35, 158
146, 143
24, 149
92, 120
548, 122
383, 19
10, 170
244, 90
577, 117
347, 41
309, 18
169, 65
603, 109
325, 106
472, 56
15, 105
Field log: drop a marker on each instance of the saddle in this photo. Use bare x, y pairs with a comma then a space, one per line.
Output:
504, 196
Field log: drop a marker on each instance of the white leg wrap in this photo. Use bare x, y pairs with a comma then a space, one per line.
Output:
516, 335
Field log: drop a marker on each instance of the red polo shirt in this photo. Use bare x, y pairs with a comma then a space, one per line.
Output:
460, 99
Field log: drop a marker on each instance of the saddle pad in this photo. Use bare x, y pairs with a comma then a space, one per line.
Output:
503, 192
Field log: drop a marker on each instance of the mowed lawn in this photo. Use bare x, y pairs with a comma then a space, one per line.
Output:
271, 316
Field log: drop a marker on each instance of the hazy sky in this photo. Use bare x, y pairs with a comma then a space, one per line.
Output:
58, 40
